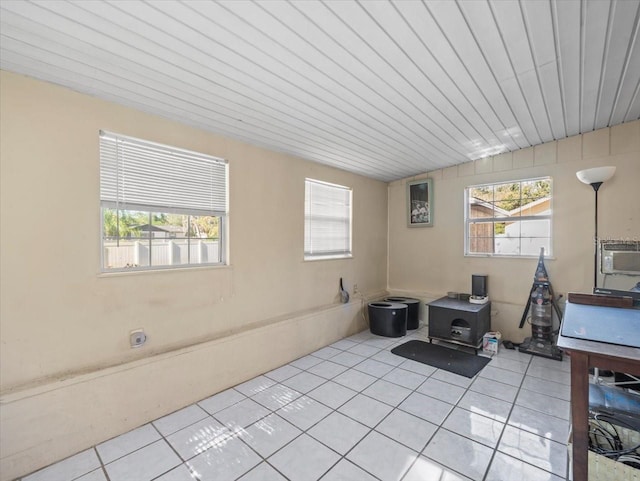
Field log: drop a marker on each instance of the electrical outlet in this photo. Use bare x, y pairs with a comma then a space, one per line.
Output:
355, 288
137, 338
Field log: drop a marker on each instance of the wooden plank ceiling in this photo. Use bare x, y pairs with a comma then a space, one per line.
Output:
386, 89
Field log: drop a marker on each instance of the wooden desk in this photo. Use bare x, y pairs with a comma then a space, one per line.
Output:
585, 354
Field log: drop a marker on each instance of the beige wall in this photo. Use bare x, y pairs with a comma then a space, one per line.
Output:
428, 262
64, 325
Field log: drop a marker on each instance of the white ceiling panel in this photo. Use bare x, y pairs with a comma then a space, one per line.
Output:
596, 20
539, 25
625, 20
385, 89
480, 39
486, 54
568, 34
427, 75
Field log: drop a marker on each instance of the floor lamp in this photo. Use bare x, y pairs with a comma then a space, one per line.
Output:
595, 178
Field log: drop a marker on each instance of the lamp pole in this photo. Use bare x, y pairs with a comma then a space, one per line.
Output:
595, 177
596, 186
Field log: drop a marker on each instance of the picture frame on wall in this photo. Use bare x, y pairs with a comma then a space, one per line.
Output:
420, 203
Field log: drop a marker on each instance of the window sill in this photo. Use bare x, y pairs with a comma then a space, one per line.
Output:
327, 258
118, 273
492, 256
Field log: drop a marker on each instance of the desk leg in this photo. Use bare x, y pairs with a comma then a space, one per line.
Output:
580, 414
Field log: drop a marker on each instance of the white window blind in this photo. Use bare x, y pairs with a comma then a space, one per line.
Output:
327, 226
140, 175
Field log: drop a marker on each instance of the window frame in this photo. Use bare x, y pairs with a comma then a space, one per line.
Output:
110, 201
469, 221
309, 254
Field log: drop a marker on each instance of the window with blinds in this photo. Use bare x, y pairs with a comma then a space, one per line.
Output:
327, 220
161, 206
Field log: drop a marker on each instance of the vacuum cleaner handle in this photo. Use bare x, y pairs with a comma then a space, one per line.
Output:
527, 306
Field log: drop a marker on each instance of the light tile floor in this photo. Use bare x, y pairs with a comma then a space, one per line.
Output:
353, 411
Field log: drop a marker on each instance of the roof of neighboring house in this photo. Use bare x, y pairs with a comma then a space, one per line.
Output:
539, 204
475, 202
532, 205
160, 228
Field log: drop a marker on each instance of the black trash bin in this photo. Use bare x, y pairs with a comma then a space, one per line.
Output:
388, 319
413, 310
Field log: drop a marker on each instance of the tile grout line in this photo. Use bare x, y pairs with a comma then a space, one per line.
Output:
302, 432
521, 388
335, 410
413, 391
506, 423
102, 465
393, 408
441, 425
162, 436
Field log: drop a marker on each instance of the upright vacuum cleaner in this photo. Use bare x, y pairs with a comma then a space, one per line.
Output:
541, 301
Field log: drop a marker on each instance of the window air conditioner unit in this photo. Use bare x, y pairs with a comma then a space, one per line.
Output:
620, 257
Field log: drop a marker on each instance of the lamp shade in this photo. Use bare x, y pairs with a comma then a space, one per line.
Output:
597, 174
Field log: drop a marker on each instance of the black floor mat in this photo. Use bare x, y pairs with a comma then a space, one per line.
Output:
451, 360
